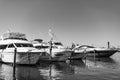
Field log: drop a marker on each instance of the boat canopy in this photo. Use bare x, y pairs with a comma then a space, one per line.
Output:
38, 40
86, 46
14, 35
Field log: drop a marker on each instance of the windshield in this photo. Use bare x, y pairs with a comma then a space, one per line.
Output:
57, 43
23, 45
42, 47
85, 46
3, 46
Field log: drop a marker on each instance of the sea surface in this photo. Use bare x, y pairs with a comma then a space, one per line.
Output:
87, 69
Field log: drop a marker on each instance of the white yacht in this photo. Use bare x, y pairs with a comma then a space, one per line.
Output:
94, 51
25, 52
58, 52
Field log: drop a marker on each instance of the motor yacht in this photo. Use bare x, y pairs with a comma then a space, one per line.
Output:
91, 51
58, 51
15, 42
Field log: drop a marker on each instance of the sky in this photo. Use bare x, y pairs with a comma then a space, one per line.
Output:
89, 22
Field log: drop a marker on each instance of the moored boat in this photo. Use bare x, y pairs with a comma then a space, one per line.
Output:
25, 52
58, 51
91, 51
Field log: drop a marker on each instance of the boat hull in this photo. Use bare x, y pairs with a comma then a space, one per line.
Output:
101, 53
98, 53
56, 56
76, 56
21, 57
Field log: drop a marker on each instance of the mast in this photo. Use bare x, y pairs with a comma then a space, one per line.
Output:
50, 42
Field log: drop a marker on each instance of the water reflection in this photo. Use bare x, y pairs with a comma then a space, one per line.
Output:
22, 73
109, 63
55, 71
78, 63
61, 70
43, 71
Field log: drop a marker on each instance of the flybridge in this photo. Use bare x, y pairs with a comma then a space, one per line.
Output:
14, 35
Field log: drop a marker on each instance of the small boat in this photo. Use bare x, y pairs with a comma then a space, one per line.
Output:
58, 51
25, 52
94, 51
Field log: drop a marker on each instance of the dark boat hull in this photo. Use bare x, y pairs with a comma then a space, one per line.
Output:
101, 53
59, 57
76, 56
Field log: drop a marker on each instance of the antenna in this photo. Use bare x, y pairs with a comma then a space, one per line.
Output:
8, 31
1, 37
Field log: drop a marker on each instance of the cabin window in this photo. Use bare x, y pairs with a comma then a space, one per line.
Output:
58, 43
30, 45
43, 47
11, 46
23, 45
18, 45
3, 46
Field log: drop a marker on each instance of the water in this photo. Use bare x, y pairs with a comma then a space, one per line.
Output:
90, 69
